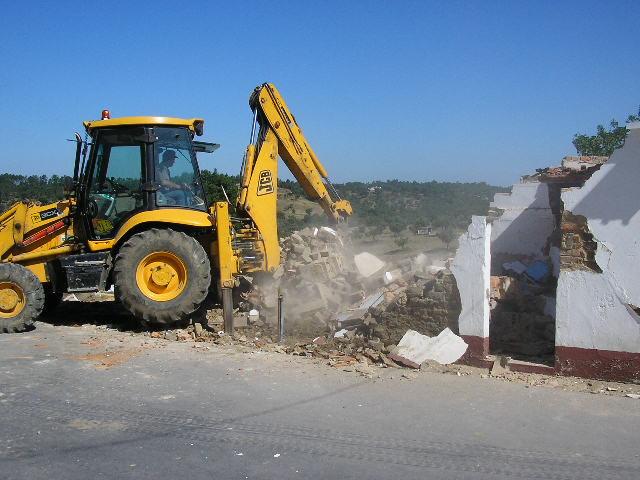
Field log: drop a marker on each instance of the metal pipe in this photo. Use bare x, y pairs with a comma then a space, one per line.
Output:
227, 310
280, 317
332, 190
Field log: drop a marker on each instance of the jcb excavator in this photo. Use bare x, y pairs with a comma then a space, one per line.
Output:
136, 217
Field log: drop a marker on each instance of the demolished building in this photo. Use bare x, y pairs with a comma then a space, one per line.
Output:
545, 283
549, 278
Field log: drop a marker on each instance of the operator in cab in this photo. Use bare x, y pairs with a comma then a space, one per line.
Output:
170, 189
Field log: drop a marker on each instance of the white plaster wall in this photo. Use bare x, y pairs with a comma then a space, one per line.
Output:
592, 308
472, 269
589, 314
523, 195
527, 220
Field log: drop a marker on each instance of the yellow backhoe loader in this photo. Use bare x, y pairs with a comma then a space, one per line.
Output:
136, 217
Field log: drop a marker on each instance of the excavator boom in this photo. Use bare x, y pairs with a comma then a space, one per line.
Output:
249, 242
271, 113
276, 133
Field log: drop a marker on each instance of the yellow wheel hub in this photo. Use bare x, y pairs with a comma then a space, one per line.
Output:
161, 276
12, 300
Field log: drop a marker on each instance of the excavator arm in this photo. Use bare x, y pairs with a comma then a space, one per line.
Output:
276, 133
249, 242
278, 125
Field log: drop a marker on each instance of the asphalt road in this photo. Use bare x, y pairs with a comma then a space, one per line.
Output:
156, 409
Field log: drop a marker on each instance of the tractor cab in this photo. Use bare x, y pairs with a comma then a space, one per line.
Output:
138, 164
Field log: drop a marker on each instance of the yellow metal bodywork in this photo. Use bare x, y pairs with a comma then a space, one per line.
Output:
228, 263
245, 244
168, 216
24, 220
90, 125
12, 300
259, 194
296, 153
280, 135
161, 276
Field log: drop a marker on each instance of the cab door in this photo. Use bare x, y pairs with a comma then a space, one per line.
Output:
115, 186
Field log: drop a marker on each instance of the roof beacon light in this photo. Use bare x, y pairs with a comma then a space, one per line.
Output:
106, 114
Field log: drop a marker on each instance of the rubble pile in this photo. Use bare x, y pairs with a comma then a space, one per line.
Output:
354, 305
350, 352
316, 277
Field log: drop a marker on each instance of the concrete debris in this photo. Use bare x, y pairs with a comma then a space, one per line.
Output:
500, 366
414, 349
197, 328
351, 310
327, 234
340, 333
368, 264
392, 276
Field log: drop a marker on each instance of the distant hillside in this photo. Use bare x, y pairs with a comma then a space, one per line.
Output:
397, 205
391, 205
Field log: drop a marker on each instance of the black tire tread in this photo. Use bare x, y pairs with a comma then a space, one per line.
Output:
33, 291
161, 313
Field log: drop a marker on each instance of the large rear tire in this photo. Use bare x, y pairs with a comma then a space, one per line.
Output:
161, 276
21, 298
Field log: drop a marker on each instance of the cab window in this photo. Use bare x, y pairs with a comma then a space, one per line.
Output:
176, 170
115, 187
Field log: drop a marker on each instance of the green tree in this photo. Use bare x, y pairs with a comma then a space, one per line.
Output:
373, 232
401, 242
307, 214
216, 184
605, 141
396, 227
447, 235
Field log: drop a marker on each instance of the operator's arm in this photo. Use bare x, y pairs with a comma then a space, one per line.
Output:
165, 178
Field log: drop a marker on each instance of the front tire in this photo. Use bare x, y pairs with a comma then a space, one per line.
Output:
161, 276
21, 298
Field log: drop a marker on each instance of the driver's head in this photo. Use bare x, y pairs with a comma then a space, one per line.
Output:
168, 158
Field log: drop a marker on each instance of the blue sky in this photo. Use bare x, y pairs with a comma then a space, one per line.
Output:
414, 90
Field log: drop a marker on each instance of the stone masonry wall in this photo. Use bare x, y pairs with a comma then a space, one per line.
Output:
427, 308
578, 248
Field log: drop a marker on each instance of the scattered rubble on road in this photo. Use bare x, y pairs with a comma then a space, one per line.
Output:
250, 340
414, 349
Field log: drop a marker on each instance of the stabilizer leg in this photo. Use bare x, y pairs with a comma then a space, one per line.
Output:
227, 310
